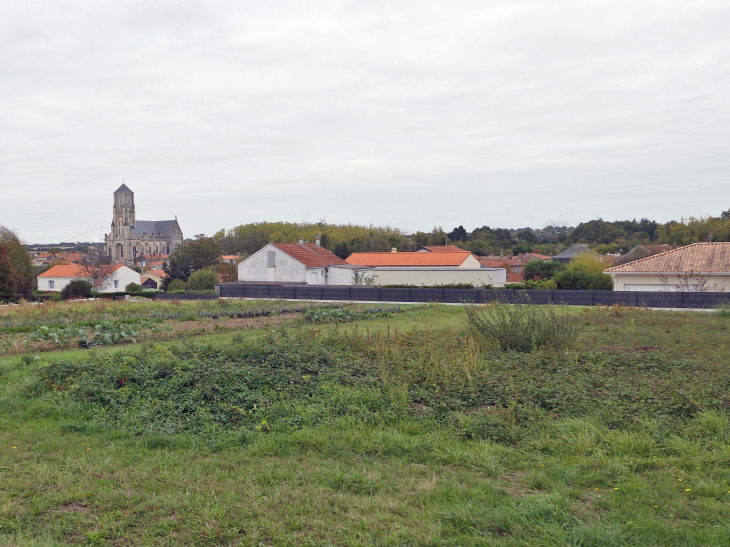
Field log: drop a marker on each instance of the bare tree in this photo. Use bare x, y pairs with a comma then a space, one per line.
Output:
691, 281
97, 268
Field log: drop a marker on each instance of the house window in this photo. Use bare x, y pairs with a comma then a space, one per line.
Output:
271, 256
51, 284
116, 284
122, 252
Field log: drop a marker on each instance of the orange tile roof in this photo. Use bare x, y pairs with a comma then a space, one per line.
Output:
515, 277
158, 273
409, 259
230, 257
74, 270
309, 254
698, 257
500, 262
444, 248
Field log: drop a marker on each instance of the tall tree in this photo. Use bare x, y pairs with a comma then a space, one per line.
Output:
22, 264
200, 253
7, 276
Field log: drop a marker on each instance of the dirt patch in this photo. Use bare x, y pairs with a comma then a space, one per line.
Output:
516, 485
234, 323
74, 508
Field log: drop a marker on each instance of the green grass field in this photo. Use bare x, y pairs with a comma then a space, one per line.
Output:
397, 429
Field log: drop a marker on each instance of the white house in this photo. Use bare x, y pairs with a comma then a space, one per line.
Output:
112, 278
429, 268
700, 267
303, 262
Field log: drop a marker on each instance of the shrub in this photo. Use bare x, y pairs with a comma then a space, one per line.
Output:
77, 289
523, 326
580, 280
202, 280
540, 269
176, 285
133, 287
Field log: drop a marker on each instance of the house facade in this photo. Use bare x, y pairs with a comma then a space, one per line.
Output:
130, 238
113, 278
429, 268
700, 267
301, 263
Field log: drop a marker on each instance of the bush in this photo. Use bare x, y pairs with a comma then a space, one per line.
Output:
176, 285
723, 310
133, 287
581, 280
539, 269
77, 289
584, 273
202, 280
523, 326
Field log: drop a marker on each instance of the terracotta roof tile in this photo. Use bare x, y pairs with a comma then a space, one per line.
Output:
515, 277
500, 262
409, 259
158, 273
698, 257
309, 254
443, 248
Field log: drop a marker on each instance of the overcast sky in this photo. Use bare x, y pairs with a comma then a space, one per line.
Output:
408, 113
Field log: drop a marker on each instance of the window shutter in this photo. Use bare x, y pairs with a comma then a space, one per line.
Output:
271, 255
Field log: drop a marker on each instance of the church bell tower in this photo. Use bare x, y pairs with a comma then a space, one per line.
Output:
123, 210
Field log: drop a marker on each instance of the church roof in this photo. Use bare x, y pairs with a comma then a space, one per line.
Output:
153, 227
122, 188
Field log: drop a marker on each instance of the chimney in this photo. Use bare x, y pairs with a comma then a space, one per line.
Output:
394, 250
318, 240
301, 242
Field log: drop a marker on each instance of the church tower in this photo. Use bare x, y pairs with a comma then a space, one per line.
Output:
123, 218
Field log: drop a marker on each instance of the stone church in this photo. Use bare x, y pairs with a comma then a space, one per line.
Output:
131, 238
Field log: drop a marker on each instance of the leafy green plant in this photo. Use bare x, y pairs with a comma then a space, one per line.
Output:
342, 315
133, 287
723, 310
523, 326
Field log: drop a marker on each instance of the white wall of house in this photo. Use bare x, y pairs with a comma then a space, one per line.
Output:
285, 269
652, 282
470, 263
56, 283
119, 280
417, 275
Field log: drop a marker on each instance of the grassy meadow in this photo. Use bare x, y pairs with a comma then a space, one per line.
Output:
280, 423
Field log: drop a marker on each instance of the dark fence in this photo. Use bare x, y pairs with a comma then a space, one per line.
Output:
570, 298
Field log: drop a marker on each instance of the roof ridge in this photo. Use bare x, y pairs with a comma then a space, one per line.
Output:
652, 257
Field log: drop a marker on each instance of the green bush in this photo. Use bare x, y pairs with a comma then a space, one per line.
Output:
723, 310
540, 269
523, 326
176, 285
133, 287
202, 280
77, 289
581, 280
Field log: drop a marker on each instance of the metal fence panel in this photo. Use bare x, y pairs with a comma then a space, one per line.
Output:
417, 294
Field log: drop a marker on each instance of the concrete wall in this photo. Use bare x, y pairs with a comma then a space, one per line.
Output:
470, 263
287, 270
439, 276
654, 283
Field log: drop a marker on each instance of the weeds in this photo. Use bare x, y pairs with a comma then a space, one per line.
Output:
523, 326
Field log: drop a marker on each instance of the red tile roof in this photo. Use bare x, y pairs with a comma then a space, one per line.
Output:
443, 248
158, 273
697, 258
499, 262
409, 259
515, 277
309, 254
